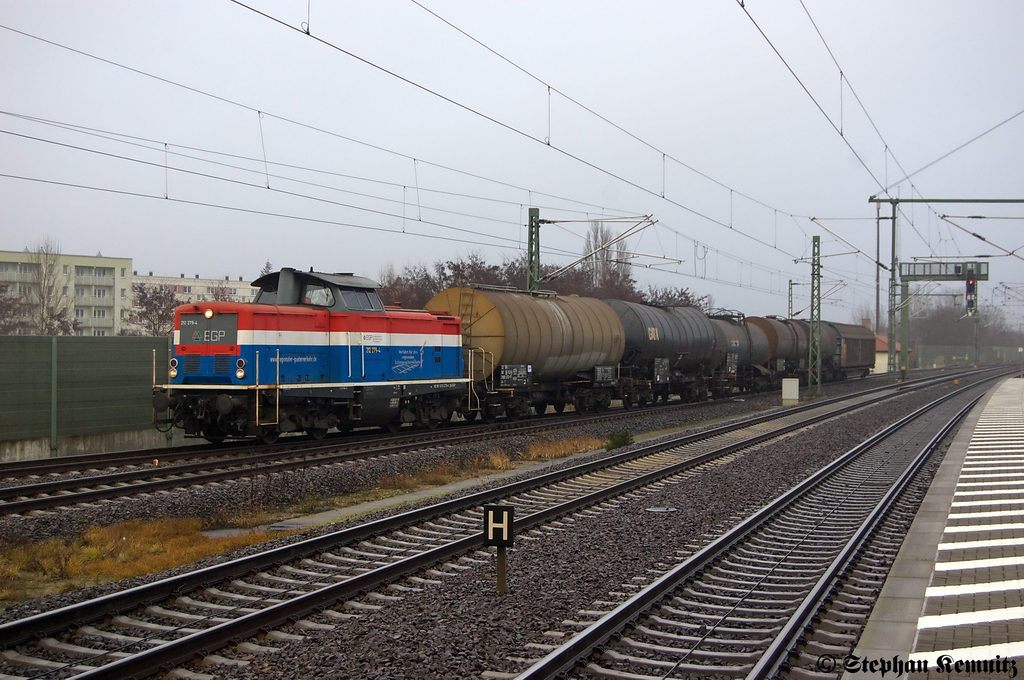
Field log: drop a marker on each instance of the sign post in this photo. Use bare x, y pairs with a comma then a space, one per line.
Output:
498, 520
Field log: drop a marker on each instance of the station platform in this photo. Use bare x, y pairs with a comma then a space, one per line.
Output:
955, 594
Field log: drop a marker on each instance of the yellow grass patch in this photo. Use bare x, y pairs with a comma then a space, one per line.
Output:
105, 554
551, 450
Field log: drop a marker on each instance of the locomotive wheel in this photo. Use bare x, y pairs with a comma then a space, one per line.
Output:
269, 436
214, 435
317, 433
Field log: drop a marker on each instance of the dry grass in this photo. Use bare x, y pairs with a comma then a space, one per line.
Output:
109, 553
136, 548
551, 450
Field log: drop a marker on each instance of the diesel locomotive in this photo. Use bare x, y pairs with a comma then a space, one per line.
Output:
316, 351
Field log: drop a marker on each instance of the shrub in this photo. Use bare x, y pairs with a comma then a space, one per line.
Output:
618, 439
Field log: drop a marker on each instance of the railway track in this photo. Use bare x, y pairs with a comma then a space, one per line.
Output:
781, 590
311, 584
202, 466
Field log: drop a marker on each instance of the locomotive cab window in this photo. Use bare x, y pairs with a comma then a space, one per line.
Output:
361, 299
318, 295
266, 296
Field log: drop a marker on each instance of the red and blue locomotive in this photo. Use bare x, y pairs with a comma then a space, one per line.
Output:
313, 351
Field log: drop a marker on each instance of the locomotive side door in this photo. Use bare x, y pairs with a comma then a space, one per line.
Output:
375, 342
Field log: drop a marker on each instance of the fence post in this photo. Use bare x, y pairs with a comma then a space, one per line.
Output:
53, 396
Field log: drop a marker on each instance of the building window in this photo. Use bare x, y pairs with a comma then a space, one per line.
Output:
186, 289
79, 292
79, 313
24, 290
99, 313
99, 292
24, 267
123, 293
65, 269
99, 334
122, 272
5, 266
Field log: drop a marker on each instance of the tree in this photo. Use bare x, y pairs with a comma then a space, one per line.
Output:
13, 312
675, 297
153, 308
602, 261
48, 298
267, 268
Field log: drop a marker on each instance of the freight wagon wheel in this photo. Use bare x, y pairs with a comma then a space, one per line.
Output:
394, 426
559, 406
541, 408
317, 433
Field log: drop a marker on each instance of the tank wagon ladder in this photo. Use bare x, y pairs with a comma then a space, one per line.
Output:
486, 357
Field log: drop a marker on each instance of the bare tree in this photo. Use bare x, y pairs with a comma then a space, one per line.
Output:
602, 261
153, 308
50, 292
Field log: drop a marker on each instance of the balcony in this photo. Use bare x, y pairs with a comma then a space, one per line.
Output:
17, 277
107, 281
89, 322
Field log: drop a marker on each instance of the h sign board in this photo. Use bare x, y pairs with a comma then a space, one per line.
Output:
498, 525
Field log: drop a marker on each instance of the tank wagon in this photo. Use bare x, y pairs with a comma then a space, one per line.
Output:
847, 350
741, 354
313, 351
531, 350
317, 351
668, 350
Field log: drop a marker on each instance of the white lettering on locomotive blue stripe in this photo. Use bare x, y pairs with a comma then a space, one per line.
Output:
320, 338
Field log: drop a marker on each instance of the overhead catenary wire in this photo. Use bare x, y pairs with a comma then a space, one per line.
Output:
328, 132
510, 128
448, 168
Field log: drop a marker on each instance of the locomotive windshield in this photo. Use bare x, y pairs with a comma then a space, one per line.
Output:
362, 299
317, 294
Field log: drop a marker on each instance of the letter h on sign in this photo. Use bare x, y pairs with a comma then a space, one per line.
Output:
498, 525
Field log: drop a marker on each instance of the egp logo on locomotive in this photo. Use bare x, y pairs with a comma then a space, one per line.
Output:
208, 336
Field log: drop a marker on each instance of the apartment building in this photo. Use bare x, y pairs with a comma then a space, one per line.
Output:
195, 289
95, 289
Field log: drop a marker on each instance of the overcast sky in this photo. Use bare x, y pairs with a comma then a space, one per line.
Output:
208, 137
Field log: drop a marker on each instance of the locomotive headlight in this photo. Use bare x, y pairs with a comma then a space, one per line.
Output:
240, 363
174, 363
208, 313
240, 374
173, 373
